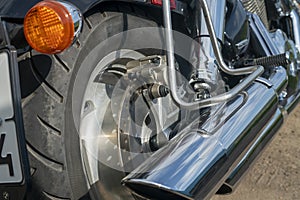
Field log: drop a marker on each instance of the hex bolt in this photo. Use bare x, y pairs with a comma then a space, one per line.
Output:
5, 195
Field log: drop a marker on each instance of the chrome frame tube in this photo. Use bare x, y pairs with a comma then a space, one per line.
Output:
296, 27
212, 34
254, 71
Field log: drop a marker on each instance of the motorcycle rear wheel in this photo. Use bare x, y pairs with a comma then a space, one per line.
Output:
52, 112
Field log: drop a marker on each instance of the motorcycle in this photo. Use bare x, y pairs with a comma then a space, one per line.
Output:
141, 99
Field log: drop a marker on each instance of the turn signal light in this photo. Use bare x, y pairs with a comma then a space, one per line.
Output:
48, 27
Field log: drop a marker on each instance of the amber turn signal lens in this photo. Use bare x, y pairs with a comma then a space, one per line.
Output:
48, 27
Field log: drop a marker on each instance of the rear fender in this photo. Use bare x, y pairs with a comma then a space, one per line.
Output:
17, 9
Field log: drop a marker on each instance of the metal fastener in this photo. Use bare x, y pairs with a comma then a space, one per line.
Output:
5, 195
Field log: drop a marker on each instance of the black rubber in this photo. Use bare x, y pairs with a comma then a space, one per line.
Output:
47, 85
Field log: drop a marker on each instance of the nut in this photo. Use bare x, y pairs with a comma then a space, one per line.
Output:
5, 195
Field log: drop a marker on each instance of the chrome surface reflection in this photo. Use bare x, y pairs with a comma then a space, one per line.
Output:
280, 78
194, 165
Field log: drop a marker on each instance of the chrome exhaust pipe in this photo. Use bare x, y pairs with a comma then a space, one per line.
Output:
271, 128
258, 146
194, 164
265, 137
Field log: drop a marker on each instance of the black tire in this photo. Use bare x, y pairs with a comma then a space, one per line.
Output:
52, 138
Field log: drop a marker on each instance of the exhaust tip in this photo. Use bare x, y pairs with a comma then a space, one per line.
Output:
152, 190
225, 189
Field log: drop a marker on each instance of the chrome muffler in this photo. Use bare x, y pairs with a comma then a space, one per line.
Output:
195, 164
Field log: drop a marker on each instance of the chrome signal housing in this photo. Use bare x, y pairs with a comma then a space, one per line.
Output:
52, 26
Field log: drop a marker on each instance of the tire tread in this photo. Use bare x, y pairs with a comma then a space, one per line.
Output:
50, 177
